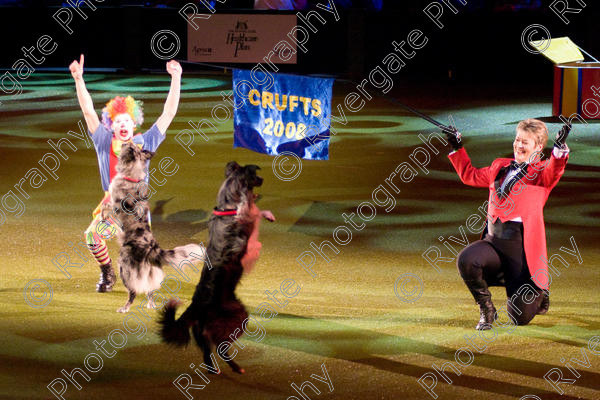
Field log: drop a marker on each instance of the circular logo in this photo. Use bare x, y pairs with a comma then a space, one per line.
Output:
292, 171
165, 44
38, 293
403, 283
529, 32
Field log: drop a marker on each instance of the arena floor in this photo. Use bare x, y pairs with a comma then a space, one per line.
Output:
349, 317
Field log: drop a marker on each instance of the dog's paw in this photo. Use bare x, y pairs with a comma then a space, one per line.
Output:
123, 309
268, 215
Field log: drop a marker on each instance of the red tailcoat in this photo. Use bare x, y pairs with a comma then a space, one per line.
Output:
526, 200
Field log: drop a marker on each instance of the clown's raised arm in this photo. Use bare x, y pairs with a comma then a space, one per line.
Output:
170, 108
85, 100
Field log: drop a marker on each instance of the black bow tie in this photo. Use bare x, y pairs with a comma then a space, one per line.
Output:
515, 165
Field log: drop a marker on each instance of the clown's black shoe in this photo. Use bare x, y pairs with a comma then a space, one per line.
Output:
107, 278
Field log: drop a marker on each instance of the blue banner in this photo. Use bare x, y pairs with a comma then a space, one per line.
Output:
282, 113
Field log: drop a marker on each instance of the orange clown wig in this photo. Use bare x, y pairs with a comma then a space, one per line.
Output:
122, 105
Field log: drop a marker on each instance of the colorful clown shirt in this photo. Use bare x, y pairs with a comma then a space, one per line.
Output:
108, 148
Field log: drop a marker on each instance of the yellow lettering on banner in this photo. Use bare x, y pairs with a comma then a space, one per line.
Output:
290, 130
250, 94
305, 101
268, 128
278, 130
267, 99
283, 106
281, 102
293, 103
316, 105
300, 132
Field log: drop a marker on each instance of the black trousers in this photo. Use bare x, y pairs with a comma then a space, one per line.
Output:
499, 260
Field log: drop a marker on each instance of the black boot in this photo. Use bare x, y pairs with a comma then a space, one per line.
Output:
545, 305
107, 278
483, 297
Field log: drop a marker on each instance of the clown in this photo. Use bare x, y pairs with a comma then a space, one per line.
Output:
120, 119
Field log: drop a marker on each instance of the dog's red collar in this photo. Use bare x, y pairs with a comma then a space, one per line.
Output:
226, 212
131, 179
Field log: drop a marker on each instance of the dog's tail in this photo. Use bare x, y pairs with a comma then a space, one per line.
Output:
190, 254
172, 331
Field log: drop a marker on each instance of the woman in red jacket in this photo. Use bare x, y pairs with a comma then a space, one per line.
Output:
513, 250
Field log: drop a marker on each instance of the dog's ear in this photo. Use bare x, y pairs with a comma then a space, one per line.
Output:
252, 168
127, 153
250, 171
147, 155
231, 167
252, 179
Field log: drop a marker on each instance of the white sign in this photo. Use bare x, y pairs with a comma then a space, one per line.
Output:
241, 38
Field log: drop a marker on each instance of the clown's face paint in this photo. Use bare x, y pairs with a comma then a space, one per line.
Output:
123, 126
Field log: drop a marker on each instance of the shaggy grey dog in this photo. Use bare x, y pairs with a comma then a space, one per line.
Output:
140, 257
233, 247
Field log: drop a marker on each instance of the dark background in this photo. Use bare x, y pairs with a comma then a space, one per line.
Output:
482, 43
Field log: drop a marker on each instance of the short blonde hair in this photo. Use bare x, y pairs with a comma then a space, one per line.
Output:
537, 128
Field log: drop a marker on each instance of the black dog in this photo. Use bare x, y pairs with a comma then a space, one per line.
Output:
140, 256
216, 312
